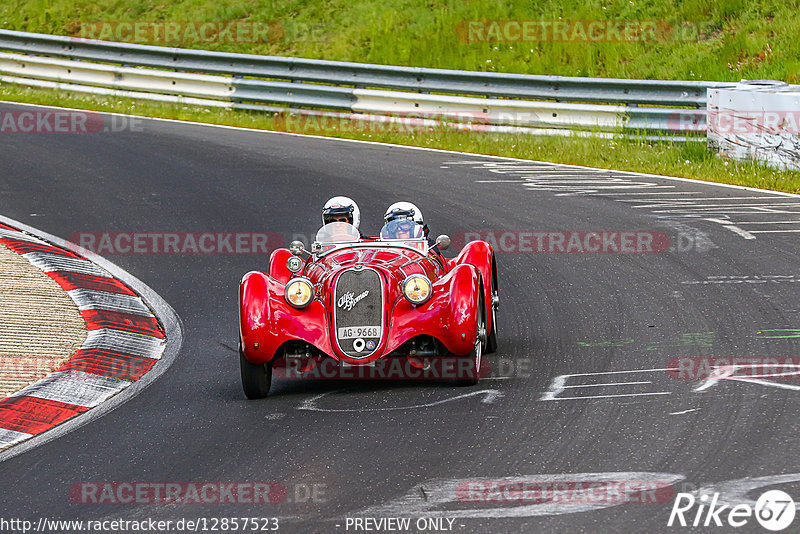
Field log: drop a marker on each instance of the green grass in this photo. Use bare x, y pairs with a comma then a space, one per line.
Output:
697, 39
689, 160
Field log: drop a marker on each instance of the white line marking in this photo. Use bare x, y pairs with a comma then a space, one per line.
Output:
583, 182
489, 396
553, 172
768, 222
558, 385
774, 231
770, 210
684, 411
626, 372
704, 199
499, 181
707, 207
612, 396
736, 230
657, 193
731, 209
732, 227
608, 384
727, 372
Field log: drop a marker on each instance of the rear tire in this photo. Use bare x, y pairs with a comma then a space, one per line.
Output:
473, 371
491, 339
256, 379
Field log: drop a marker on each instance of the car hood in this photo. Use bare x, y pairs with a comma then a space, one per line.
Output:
396, 263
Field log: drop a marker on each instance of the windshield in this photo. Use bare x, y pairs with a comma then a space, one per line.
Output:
338, 232
402, 229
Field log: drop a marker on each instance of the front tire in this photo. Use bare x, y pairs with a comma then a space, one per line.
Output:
256, 379
473, 372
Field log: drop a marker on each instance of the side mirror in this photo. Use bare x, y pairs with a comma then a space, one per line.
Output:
296, 248
443, 242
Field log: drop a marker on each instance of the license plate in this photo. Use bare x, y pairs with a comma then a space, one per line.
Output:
352, 332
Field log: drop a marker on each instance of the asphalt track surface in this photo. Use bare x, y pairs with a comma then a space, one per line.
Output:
381, 449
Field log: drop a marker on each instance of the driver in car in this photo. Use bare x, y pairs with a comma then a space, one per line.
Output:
405, 229
341, 209
407, 211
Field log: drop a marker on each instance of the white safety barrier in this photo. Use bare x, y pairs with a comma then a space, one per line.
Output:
758, 120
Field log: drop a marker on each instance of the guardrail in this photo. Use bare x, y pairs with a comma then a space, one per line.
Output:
495, 101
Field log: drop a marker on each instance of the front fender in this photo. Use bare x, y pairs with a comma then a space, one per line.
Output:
277, 265
481, 255
266, 321
450, 316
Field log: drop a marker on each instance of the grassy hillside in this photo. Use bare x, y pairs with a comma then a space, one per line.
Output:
697, 39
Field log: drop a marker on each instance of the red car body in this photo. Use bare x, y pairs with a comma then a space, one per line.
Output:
457, 319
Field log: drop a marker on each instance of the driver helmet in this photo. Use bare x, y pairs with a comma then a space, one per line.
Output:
403, 210
341, 209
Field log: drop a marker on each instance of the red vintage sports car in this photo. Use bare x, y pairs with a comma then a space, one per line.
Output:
356, 301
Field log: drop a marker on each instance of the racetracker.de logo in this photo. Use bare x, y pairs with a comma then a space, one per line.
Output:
735, 122
588, 31
43, 121
177, 493
570, 241
393, 368
183, 32
179, 242
416, 121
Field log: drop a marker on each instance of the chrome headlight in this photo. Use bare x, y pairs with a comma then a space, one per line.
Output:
299, 292
417, 289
